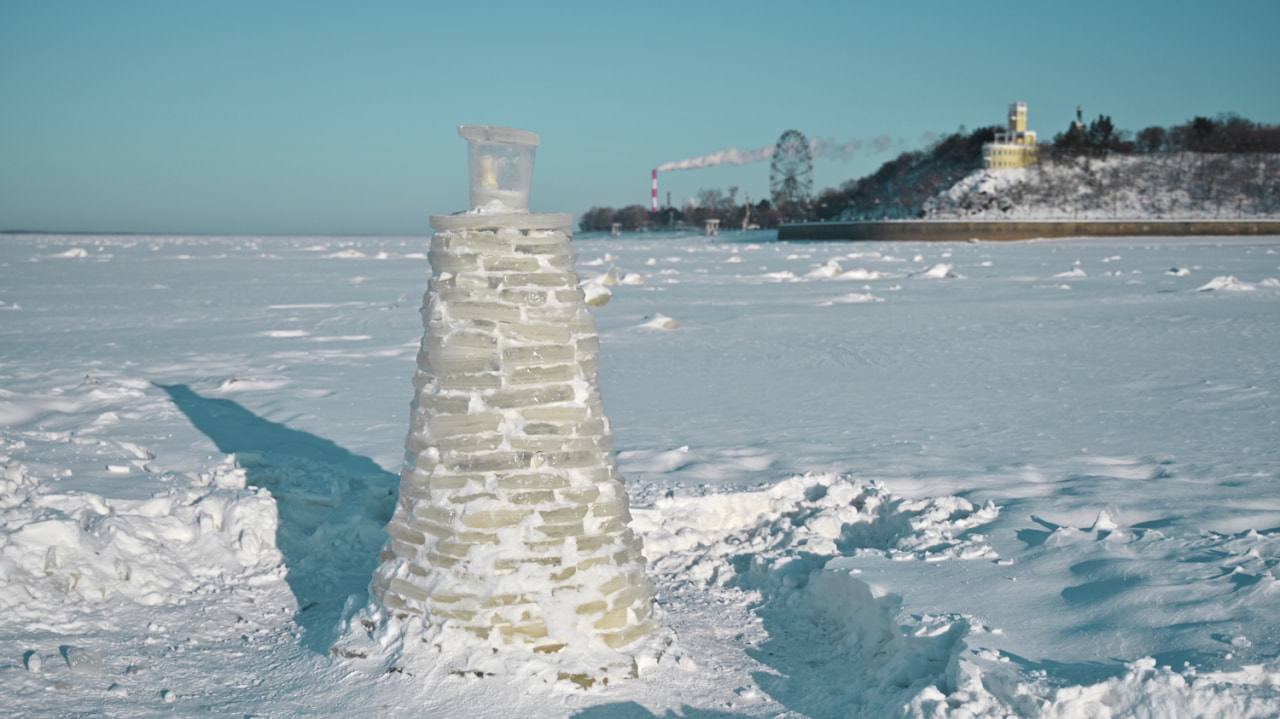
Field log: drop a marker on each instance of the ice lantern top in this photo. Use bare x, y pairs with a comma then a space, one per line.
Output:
501, 160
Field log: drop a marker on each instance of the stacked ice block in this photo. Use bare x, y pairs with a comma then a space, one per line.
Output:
511, 525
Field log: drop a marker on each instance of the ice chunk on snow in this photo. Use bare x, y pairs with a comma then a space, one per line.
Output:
608, 279
1178, 271
858, 273
75, 253
655, 461
660, 322
347, 254
830, 269
1073, 272
1226, 283
597, 295
596, 290
1103, 522
783, 276
239, 384
833, 270
852, 298
940, 271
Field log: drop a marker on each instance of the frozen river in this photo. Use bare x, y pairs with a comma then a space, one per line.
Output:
872, 478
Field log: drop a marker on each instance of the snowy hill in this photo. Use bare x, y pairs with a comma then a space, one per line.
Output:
1174, 185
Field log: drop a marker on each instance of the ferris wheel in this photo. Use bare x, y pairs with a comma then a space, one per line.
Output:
791, 171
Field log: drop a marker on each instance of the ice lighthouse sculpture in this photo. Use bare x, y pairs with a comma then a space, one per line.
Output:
510, 533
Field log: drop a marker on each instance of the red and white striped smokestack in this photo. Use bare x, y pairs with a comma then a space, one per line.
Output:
655, 190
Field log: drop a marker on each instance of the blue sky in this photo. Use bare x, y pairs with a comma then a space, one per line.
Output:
318, 117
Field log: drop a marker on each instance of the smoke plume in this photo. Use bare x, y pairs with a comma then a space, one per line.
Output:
731, 156
819, 148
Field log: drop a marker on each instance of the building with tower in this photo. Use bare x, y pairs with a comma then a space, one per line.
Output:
1014, 147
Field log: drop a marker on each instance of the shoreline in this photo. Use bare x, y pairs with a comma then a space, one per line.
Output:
960, 230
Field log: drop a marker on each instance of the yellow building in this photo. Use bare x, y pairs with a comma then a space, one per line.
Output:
1015, 147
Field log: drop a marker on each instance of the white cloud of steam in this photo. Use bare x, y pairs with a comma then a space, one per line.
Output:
819, 148
731, 156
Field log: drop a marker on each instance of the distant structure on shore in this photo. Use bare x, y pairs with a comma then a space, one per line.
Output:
1015, 147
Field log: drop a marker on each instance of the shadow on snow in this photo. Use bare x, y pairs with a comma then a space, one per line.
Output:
332, 505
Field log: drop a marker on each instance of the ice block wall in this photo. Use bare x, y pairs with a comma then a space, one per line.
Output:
511, 525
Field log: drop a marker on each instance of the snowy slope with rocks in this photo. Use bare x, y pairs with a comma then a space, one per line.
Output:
1028, 479
1176, 185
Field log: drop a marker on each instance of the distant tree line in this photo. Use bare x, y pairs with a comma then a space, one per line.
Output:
1225, 134
707, 204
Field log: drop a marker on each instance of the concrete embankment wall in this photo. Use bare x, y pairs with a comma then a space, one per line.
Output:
962, 230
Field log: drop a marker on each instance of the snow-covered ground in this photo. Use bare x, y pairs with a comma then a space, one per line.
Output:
1172, 185
1034, 479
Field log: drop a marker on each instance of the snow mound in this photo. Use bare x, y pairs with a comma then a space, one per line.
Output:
655, 460
940, 271
859, 273
70, 548
784, 546
824, 515
92, 395
15, 482
783, 276
830, 269
859, 660
659, 322
248, 384
75, 253
1073, 272
853, 298
1226, 283
347, 254
833, 270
